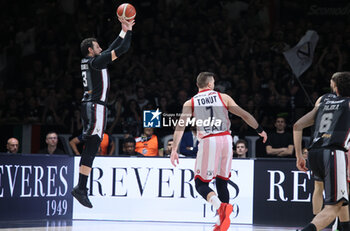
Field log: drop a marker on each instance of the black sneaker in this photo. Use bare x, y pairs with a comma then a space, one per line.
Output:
81, 196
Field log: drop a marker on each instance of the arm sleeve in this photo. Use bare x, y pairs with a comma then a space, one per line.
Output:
114, 44
124, 45
101, 61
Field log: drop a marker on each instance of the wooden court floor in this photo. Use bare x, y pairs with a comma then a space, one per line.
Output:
97, 225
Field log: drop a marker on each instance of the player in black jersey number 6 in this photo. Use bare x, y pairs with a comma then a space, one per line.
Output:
96, 86
330, 141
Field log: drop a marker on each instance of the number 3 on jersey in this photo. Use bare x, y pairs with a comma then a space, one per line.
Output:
326, 121
84, 78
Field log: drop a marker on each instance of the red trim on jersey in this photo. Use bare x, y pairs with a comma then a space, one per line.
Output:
192, 105
206, 181
218, 134
205, 90
224, 178
228, 120
222, 101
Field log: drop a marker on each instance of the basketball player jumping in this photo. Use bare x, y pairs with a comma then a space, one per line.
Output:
96, 86
214, 155
330, 141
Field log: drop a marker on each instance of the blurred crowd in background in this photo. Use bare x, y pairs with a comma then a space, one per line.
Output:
241, 41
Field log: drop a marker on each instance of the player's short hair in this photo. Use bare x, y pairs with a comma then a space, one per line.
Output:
85, 44
203, 79
342, 81
241, 141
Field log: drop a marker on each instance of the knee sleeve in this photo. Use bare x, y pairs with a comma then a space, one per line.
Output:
221, 187
92, 144
202, 188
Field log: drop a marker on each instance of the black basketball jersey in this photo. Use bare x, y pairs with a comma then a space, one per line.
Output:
332, 123
95, 82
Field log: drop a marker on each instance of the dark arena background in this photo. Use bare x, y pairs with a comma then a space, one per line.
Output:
275, 58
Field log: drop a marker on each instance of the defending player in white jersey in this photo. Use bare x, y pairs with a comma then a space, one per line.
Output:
210, 111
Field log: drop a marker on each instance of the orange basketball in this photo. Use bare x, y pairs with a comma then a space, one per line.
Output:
126, 11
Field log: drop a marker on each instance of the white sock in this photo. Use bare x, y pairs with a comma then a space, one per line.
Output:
215, 201
218, 220
335, 225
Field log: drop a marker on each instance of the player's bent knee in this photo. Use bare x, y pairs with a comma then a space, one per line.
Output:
90, 150
202, 188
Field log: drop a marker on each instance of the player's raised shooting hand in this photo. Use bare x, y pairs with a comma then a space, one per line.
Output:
263, 135
174, 158
126, 25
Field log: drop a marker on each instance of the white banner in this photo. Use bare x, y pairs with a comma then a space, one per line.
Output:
300, 57
150, 189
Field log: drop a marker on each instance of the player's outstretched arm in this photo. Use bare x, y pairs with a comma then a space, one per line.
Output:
179, 130
305, 121
107, 56
126, 25
125, 44
246, 116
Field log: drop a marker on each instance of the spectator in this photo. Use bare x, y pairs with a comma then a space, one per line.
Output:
51, 141
163, 105
115, 108
50, 115
12, 145
147, 143
107, 146
141, 97
13, 113
132, 118
167, 150
189, 143
76, 125
241, 149
129, 147
176, 107
280, 143
305, 153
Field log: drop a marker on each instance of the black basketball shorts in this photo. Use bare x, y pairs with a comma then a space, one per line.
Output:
329, 165
94, 118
